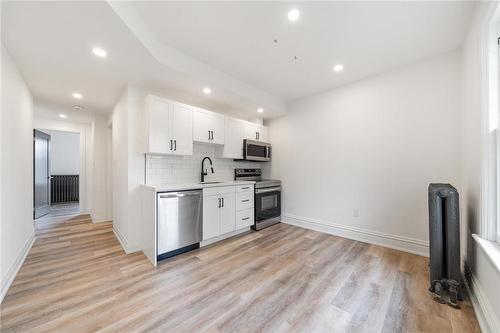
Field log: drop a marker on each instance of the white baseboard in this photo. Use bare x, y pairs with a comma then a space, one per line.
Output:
99, 219
12, 272
127, 247
406, 244
485, 313
221, 237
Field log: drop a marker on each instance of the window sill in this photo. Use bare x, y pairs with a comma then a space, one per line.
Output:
492, 250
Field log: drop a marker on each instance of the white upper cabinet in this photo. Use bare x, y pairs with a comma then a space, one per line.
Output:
159, 138
208, 126
262, 133
228, 216
233, 148
182, 129
255, 132
170, 127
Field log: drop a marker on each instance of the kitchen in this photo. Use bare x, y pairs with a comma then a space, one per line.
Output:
251, 166
202, 207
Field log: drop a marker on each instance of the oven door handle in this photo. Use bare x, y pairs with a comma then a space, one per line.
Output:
268, 189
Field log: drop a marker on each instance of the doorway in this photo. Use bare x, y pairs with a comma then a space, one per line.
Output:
56, 173
41, 173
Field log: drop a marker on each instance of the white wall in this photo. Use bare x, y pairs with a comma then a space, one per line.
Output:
16, 228
101, 209
64, 152
372, 146
119, 119
474, 170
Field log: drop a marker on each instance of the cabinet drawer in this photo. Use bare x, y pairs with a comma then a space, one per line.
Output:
244, 200
218, 190
244, 188
244, 218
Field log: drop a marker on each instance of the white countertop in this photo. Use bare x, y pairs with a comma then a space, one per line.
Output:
181, 187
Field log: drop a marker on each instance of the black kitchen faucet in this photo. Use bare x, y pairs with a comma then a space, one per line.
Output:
205, 173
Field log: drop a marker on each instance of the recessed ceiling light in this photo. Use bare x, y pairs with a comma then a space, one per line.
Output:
207, 90
100, 52
63, 116
260, 110
77, 95
338, 68
293, 15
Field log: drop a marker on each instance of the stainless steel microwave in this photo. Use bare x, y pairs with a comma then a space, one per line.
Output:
256, 150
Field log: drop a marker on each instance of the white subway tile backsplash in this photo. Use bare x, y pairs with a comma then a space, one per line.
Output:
170, 169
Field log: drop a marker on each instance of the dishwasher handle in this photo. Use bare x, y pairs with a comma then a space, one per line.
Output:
179, 194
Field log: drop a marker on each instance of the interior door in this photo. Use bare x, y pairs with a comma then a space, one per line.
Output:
182, 129
41, 173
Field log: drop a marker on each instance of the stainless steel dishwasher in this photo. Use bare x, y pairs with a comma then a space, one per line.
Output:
179, 222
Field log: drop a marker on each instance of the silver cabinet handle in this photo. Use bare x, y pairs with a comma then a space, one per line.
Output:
246, 200
245, 218
245, 188
180, 194
222, 202
175, 144
269, 189
171, 144
208, 135
219, 203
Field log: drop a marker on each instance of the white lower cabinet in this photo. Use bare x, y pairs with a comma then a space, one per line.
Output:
244, 218
218, 212
226, 209
211, 216
244, 200
227, 218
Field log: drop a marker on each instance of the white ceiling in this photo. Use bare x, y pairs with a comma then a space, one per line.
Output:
178, 47
367, 37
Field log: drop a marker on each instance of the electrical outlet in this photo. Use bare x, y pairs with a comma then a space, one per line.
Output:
355, 213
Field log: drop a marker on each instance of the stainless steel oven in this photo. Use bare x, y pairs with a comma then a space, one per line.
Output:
267, 197
256, 150
267, 206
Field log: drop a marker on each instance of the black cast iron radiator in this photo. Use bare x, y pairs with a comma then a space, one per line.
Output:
64, 188
444, 232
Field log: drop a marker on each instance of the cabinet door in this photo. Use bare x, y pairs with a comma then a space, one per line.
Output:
262, 134
233, 146
211, 216
201, 128
182, 129
244, 218
227, 218
216, 124
159, 135
250, 131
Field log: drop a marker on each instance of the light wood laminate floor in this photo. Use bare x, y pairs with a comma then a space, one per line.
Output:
77, 278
